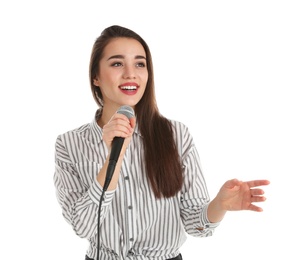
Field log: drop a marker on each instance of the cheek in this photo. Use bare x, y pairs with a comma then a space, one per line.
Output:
144, 77
143, 88
108, 77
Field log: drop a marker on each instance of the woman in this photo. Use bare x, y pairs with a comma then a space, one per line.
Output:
157, 193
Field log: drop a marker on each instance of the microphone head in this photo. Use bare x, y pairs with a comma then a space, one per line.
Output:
127, 111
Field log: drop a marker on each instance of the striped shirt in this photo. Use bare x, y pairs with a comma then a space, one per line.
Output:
133, 223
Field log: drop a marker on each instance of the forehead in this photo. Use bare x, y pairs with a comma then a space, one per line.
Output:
124, 46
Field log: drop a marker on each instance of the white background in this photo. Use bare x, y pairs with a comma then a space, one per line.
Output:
230, 70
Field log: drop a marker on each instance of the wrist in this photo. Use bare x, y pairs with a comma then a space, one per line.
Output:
216, 210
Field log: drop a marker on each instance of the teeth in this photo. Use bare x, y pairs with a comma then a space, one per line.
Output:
129, 87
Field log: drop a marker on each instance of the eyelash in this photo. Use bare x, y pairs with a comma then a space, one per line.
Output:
139, 64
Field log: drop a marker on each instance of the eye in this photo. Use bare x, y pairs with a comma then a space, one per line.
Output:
141, 64
116, 64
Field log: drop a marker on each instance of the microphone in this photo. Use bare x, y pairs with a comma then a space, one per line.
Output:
116, 147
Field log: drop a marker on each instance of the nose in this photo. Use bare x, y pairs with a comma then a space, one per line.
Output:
129, 72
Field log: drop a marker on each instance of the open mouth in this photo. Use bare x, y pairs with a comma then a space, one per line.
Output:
128, 88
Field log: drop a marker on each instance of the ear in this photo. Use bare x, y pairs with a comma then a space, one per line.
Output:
96, 82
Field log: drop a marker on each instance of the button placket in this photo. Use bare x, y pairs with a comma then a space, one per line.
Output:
129, 218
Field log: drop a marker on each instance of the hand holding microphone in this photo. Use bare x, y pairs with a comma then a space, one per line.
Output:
117, 135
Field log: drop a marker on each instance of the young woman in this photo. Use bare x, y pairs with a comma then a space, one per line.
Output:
157, 193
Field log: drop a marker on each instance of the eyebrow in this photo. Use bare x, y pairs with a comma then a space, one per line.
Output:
122, 57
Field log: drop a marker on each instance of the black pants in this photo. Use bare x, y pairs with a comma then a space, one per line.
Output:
179, 257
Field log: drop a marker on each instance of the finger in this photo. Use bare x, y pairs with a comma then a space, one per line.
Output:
112, 131
256, 192
119, 133
256, 183
255, 208
257, 198
120, 117
230, 184
119, 123
132, 122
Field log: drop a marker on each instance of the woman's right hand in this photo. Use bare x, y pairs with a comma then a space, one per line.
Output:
118, 126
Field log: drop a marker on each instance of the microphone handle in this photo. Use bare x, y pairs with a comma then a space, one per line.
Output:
116, 148
114, 155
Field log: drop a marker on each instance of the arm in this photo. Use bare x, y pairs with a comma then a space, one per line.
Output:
77, 191
77, 186
195, 198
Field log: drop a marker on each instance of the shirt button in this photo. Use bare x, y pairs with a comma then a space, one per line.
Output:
126, 178
130, 207
131, 239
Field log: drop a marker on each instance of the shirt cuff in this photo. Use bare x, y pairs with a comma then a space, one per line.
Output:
95, 193
205, 223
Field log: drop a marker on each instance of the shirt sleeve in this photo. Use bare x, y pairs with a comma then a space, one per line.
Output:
79, 201
194, 194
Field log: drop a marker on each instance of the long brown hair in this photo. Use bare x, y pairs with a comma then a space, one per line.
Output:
162, 160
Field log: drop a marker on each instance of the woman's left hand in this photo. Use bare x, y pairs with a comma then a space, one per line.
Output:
239, 195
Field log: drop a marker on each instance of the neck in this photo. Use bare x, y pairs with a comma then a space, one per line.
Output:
106, 115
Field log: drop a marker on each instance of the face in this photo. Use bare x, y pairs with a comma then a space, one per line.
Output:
122, 73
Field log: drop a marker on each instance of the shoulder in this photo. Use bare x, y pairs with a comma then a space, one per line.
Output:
90, 132
71, 135
183, 138
179, 127
182, 134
